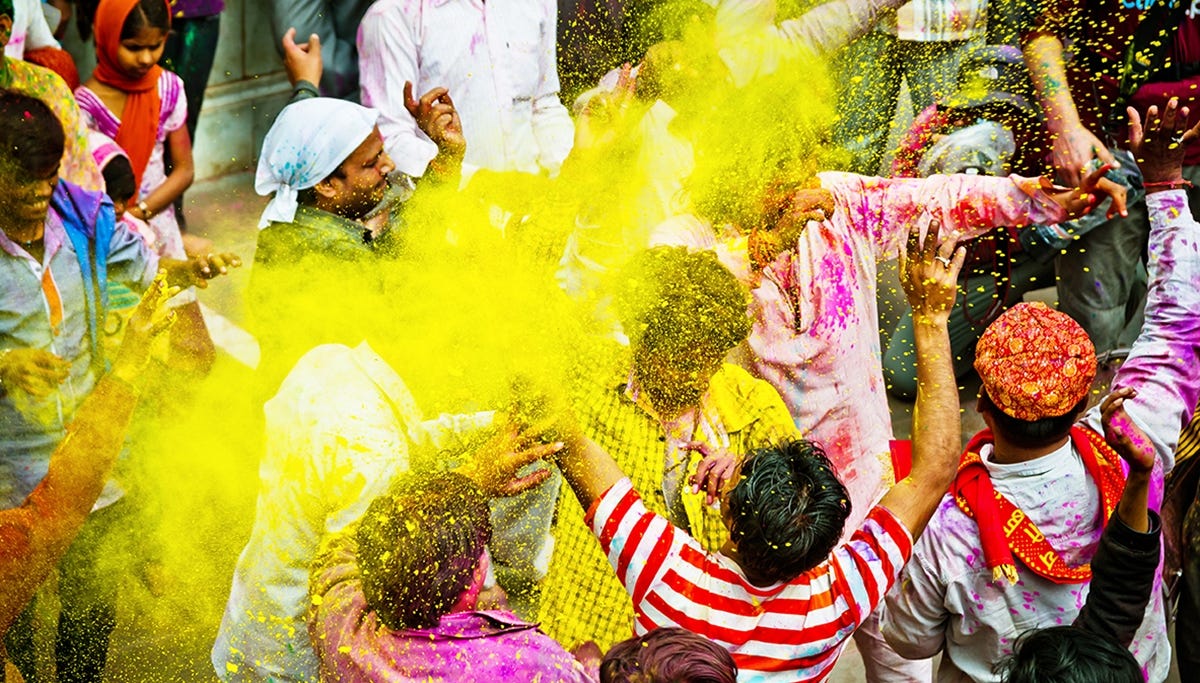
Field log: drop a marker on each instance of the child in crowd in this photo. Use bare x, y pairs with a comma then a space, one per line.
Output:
143, 108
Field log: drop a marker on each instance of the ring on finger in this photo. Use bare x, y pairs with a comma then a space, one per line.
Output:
942, 260
1177, 140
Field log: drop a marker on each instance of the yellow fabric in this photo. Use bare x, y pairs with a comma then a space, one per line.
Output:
78, 166
582, 599
1189, 439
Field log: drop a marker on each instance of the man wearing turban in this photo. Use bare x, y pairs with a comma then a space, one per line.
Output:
1010, 546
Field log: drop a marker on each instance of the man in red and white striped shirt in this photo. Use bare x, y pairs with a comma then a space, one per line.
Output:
782, 596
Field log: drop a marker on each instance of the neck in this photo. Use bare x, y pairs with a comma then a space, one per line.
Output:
1005, 452
27, 233
729, 550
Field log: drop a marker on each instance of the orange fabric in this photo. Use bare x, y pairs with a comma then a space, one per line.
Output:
56, 60
53, 300
139, 121
1035, 362
1006, 531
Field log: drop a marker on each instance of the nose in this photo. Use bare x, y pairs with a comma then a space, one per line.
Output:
385, 164
146, 58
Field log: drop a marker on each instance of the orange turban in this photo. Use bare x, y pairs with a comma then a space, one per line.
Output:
1035, 362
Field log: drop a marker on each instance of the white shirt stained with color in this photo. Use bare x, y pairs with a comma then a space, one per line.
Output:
498, 61
337, 432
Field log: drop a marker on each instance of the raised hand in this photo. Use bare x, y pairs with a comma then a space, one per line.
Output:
149, 321
1158, 144
929, 273
1123, 434
495, 466
302, 62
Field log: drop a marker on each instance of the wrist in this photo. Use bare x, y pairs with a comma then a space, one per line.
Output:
145, 210
1155, 184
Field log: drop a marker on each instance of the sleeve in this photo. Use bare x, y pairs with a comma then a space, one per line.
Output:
637, 542
913, 618
39, 35
449, 431
552, 125
130, 261
880, 211
1123, 571
870, 562
354, 461
387, 48
1164, 363
334, 585
174, 115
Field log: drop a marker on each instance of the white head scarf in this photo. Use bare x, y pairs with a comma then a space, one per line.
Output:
308, 141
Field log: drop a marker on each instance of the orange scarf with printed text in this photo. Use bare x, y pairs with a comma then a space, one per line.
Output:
1006, 531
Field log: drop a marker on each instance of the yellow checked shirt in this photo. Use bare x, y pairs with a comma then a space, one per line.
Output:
582, 599
1189, 439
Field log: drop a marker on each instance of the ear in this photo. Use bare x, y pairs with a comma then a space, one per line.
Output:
327, 188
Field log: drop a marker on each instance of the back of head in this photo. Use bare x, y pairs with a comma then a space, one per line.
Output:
419, 545
668, 655
671, 300
31, 137
787, 511
1065, 654
1037, 366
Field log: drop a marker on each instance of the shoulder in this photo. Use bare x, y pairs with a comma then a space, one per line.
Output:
39, 82
743, 398
951, 538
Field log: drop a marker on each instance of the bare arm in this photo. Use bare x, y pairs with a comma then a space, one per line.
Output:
180, 179
1073, 145
589, 469
929, 275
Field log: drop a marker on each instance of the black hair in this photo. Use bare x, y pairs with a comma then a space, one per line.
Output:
419, 545
31, 136
668, 655
1032, 433
673, 301
787, 511
119, 182
147, 14
1066, 654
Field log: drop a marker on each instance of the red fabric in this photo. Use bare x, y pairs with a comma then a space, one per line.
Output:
56, 60
1004, 529
139, 121
901, 457
1035, 362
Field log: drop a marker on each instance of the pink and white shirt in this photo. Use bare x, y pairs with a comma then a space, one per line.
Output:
792, 631
816, 331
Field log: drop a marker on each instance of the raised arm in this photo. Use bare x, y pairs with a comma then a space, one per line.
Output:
1073, 145
35, 536
1164, 364
1126, 563
929, 273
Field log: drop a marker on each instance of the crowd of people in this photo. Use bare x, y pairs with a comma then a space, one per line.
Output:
665, 295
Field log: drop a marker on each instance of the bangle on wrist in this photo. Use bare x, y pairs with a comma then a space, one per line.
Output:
145, 209
1181, 184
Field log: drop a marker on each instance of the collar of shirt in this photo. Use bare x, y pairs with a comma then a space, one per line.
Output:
1031, 468
54, 236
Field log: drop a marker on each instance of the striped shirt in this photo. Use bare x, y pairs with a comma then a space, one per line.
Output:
792, 631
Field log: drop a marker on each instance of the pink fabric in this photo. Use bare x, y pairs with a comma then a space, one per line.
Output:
353, 646
816, 332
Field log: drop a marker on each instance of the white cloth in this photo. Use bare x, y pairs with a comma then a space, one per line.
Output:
497, 59
30, 30
308, 141
337, 432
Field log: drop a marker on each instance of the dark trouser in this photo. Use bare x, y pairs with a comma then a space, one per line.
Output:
1100, 285
88, 578
190, 51
1187, 619
975, 296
